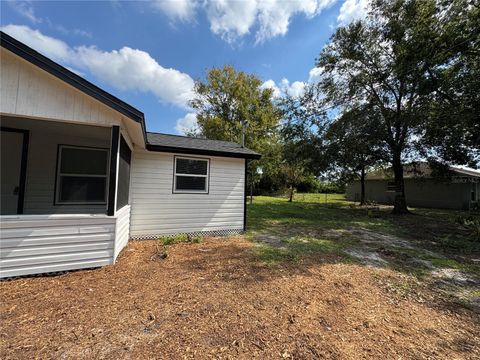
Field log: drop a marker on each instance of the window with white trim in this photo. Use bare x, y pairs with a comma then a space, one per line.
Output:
191, 175
82, 175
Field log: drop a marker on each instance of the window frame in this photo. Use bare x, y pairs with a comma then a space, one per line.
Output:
58, 175
175, 174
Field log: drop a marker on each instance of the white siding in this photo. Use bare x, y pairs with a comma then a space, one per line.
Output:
27, 90
157, 211
45, 137
122, 229
32, 244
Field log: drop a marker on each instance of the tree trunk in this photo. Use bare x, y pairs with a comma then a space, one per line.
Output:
362, 186
399, 203
291, 194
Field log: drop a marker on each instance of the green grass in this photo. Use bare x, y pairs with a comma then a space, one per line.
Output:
298, 247
315, 224
308, 210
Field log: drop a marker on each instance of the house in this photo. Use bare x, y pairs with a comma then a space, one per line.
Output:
81, 176
458, 189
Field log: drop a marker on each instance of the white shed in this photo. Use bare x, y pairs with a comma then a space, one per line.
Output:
80, 175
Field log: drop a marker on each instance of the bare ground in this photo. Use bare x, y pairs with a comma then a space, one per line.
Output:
216, 300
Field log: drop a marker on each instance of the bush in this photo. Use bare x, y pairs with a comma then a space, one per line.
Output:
312, 185
332, 188
309, 185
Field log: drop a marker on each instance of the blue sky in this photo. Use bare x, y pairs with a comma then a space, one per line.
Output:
149, 53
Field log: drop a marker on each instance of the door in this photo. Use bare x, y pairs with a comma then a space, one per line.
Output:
13, 148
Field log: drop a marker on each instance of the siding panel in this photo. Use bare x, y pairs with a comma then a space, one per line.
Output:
157, 211
32, 244
122, 229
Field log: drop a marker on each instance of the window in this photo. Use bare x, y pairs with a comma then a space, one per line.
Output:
391, 186
191, 175
81, 175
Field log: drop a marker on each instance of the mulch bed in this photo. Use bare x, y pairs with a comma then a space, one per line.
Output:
212, 300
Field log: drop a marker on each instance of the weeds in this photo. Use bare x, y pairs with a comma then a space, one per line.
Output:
471, 222
164, 242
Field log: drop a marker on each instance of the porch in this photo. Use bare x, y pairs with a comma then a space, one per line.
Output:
64, 195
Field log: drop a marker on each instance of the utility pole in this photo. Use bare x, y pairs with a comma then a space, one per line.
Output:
243, 132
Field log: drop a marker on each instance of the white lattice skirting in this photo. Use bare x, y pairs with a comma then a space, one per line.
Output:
214, 233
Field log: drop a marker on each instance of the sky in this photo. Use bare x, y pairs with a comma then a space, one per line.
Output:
150, 53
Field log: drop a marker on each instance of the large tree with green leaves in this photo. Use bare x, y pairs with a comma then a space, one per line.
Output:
393, 60
353, 145
453, 126
231, 106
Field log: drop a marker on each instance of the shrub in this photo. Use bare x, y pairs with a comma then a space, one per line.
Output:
179, 238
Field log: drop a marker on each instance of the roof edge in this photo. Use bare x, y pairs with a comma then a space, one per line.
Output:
181, 150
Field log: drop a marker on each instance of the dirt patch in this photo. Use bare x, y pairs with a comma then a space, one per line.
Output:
368, 257
370, 237
211, 300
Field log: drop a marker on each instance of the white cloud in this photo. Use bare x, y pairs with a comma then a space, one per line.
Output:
25, 8
83, 33
233, 19
186, 124
314, 74
274, 15
133, 69
353, 10
294, 89
183, 10
53, 48
124, 69
270, 84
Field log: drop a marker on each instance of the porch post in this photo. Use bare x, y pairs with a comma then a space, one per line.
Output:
112, 183
245, 197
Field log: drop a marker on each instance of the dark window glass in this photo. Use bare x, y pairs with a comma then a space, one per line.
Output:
391, 186
191, 183
82, 189
83, 161
190, 166
123, 174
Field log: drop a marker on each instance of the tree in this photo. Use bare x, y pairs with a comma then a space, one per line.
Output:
293, 167
304, 124
354, 144
453, 126
387, 61
231, 106
230, 101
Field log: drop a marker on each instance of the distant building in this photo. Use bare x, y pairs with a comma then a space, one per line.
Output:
459, 189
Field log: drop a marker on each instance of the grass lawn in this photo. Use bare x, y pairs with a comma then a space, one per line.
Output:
316, 278
317, 223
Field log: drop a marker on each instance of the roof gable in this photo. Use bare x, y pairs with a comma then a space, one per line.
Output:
62, 73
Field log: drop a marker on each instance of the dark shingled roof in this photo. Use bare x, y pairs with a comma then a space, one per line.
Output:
191, 145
